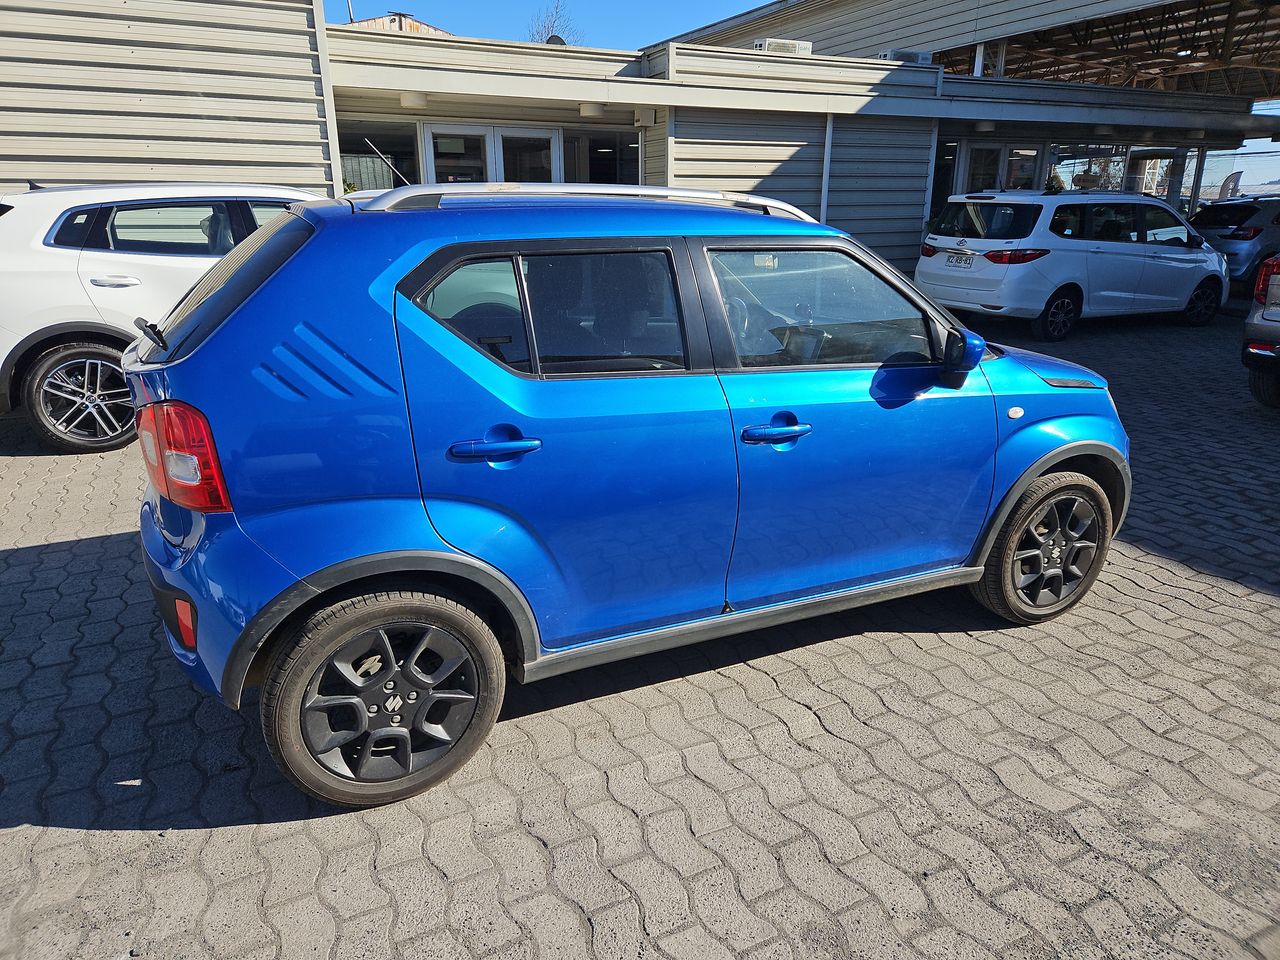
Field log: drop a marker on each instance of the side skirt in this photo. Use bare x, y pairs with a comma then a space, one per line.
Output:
665, 638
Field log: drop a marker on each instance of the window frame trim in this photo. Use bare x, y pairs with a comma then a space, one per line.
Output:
935, 321
443, 261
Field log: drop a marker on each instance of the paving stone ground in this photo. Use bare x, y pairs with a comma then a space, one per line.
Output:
908, 780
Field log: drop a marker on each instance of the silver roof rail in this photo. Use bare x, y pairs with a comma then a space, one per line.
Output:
427, 196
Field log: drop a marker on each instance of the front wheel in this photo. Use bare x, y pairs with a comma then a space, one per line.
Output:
1203, 305
77, 399
1049, 551
1265, 387
380, 696
1058, 317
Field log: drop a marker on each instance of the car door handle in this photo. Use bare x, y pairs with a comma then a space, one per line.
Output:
115, 281
492, 449
768, 433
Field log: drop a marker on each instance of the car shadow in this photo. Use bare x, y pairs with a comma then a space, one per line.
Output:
17, 439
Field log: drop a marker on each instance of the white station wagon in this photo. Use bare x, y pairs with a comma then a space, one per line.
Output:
1053, 258
78, 265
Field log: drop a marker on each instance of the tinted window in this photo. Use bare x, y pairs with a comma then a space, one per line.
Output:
264, 211
227, 284
789, 307
480, 302
1161, 226
74, 230
186, 229
1113, 222
988, 220
1068, 221
1224, 215
603, 312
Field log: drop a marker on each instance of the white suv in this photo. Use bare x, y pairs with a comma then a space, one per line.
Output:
1054, 258
78, 265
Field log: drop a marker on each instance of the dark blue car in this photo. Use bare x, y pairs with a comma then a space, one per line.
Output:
402, 447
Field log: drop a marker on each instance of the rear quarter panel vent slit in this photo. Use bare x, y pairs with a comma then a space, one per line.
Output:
308, 369
344, 363
277, 384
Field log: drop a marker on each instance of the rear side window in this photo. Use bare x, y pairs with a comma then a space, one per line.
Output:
1068, 221
228, 284
199, 229
1113, 222
74, 229
604, 312
988, 220
480, 302
1224, 215
264, 211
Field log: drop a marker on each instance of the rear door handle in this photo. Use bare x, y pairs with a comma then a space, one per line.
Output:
767, 433
115, 281
492, 449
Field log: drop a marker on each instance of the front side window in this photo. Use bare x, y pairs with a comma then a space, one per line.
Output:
604, 312
264, 211
480, 302
987, 220
800, 307
1113, 222
175, 229
1161, 226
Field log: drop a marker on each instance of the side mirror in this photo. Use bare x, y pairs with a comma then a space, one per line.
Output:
963, 352
1195, 241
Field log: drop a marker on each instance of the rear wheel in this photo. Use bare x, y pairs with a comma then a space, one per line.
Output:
77, 399
1049, 551
1265, 387
1059, 316
1203, 304
381, 696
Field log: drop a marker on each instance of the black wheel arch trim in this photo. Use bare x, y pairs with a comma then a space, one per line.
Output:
1037, 469
272, 616
90, 328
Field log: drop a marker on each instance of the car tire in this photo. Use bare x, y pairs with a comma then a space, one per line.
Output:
1265, 387
1202, 305
358, 706
77, 400
1034, 571
1059, 316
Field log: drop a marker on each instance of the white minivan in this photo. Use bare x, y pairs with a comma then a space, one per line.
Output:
78, 266
1053, 258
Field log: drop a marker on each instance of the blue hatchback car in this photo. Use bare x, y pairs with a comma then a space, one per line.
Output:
402, 447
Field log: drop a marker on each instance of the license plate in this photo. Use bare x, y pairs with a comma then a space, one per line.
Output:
960, 261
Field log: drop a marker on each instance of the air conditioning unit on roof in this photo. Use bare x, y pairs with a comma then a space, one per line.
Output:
800, 48
906, 56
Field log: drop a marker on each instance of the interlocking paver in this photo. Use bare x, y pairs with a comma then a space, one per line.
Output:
907, 780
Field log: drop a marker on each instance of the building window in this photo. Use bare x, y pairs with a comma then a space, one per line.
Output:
601, 156
1082, 166
360, 142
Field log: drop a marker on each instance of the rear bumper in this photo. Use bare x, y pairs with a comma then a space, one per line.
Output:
956, 299
224, 575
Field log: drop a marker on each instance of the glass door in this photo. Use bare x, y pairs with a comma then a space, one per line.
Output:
527, 155
460, 154
1021, 168
983, 169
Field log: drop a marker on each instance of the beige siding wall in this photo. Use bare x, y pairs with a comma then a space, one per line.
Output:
880, 182
100, 91
862, 28
655, 151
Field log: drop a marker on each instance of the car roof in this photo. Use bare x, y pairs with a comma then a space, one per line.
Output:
534, 216
1061, 196
75, 195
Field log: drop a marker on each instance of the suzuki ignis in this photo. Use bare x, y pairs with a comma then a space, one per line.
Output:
402, 448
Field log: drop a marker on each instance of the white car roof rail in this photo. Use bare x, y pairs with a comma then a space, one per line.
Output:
427, 196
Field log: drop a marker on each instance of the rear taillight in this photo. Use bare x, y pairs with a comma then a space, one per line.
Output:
1268, 273
928, 250
1244, 233
1015, 256
182, 462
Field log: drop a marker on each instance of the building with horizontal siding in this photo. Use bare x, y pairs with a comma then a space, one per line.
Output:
95, 91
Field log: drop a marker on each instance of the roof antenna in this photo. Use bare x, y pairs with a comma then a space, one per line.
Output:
32, 185
390, 165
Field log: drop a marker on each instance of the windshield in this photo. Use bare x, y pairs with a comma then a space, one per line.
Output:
1224, 215
987, 220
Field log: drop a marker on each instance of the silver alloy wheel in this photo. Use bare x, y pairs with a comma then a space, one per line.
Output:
87, 399
1060, 316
